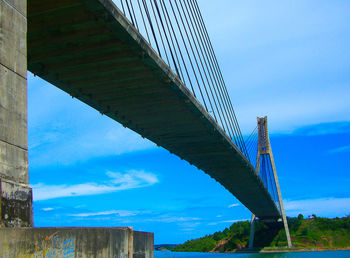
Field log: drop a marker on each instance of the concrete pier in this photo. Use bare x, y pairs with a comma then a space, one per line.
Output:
75, 242
16, 195
17, 236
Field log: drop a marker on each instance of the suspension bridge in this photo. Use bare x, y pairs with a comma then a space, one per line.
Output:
150, 65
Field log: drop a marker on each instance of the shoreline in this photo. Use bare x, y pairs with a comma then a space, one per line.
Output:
287, 250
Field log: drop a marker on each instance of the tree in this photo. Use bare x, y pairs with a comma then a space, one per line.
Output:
300, 217
305, 231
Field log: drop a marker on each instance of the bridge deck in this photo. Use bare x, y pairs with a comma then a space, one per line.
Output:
89, 49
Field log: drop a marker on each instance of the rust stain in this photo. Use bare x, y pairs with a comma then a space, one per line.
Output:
51, 236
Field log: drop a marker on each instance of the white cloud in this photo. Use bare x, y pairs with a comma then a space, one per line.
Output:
80, 206
225, 221
233, 205
47, 209
328, 207
171, 219
118, 182
324, 128
340, 149
133, 178
185, 223
121, 213
189, 226
229, 221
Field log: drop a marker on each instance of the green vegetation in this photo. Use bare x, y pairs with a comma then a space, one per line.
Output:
316, 232
165, 247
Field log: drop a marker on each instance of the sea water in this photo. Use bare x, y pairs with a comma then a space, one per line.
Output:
168, 254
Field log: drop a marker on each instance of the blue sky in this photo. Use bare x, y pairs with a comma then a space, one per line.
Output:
288, 60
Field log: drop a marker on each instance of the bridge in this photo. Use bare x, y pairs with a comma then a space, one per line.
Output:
148, 65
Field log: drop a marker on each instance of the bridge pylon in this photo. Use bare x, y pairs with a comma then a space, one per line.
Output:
264, 149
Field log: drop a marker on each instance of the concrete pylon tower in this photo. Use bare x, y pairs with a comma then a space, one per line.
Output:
15, 193
264, 148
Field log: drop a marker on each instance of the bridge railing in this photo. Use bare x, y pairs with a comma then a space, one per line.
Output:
177, 32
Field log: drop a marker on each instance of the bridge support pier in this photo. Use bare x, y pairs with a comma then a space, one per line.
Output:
15, 193
252, 232
264, 148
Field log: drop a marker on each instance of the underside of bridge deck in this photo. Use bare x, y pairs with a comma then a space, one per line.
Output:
88, 49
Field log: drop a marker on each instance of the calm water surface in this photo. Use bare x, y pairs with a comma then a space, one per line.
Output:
168, 254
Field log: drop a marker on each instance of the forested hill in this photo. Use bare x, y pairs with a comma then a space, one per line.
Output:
305, 233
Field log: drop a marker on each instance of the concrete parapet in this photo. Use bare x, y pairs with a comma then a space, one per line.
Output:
75, 242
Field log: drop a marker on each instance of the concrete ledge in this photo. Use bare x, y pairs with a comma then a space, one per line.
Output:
75, 242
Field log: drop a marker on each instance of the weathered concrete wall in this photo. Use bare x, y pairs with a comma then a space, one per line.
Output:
16, 196
143, 244
75, 242
16, 204
13, 50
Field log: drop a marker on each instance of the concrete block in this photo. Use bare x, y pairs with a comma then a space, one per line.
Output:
143, 245
13, 39
13, 163
16, 204
13, 108
19, 5
70, 242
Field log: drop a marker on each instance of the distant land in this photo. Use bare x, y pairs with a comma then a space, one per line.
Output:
166, 247
313, 233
